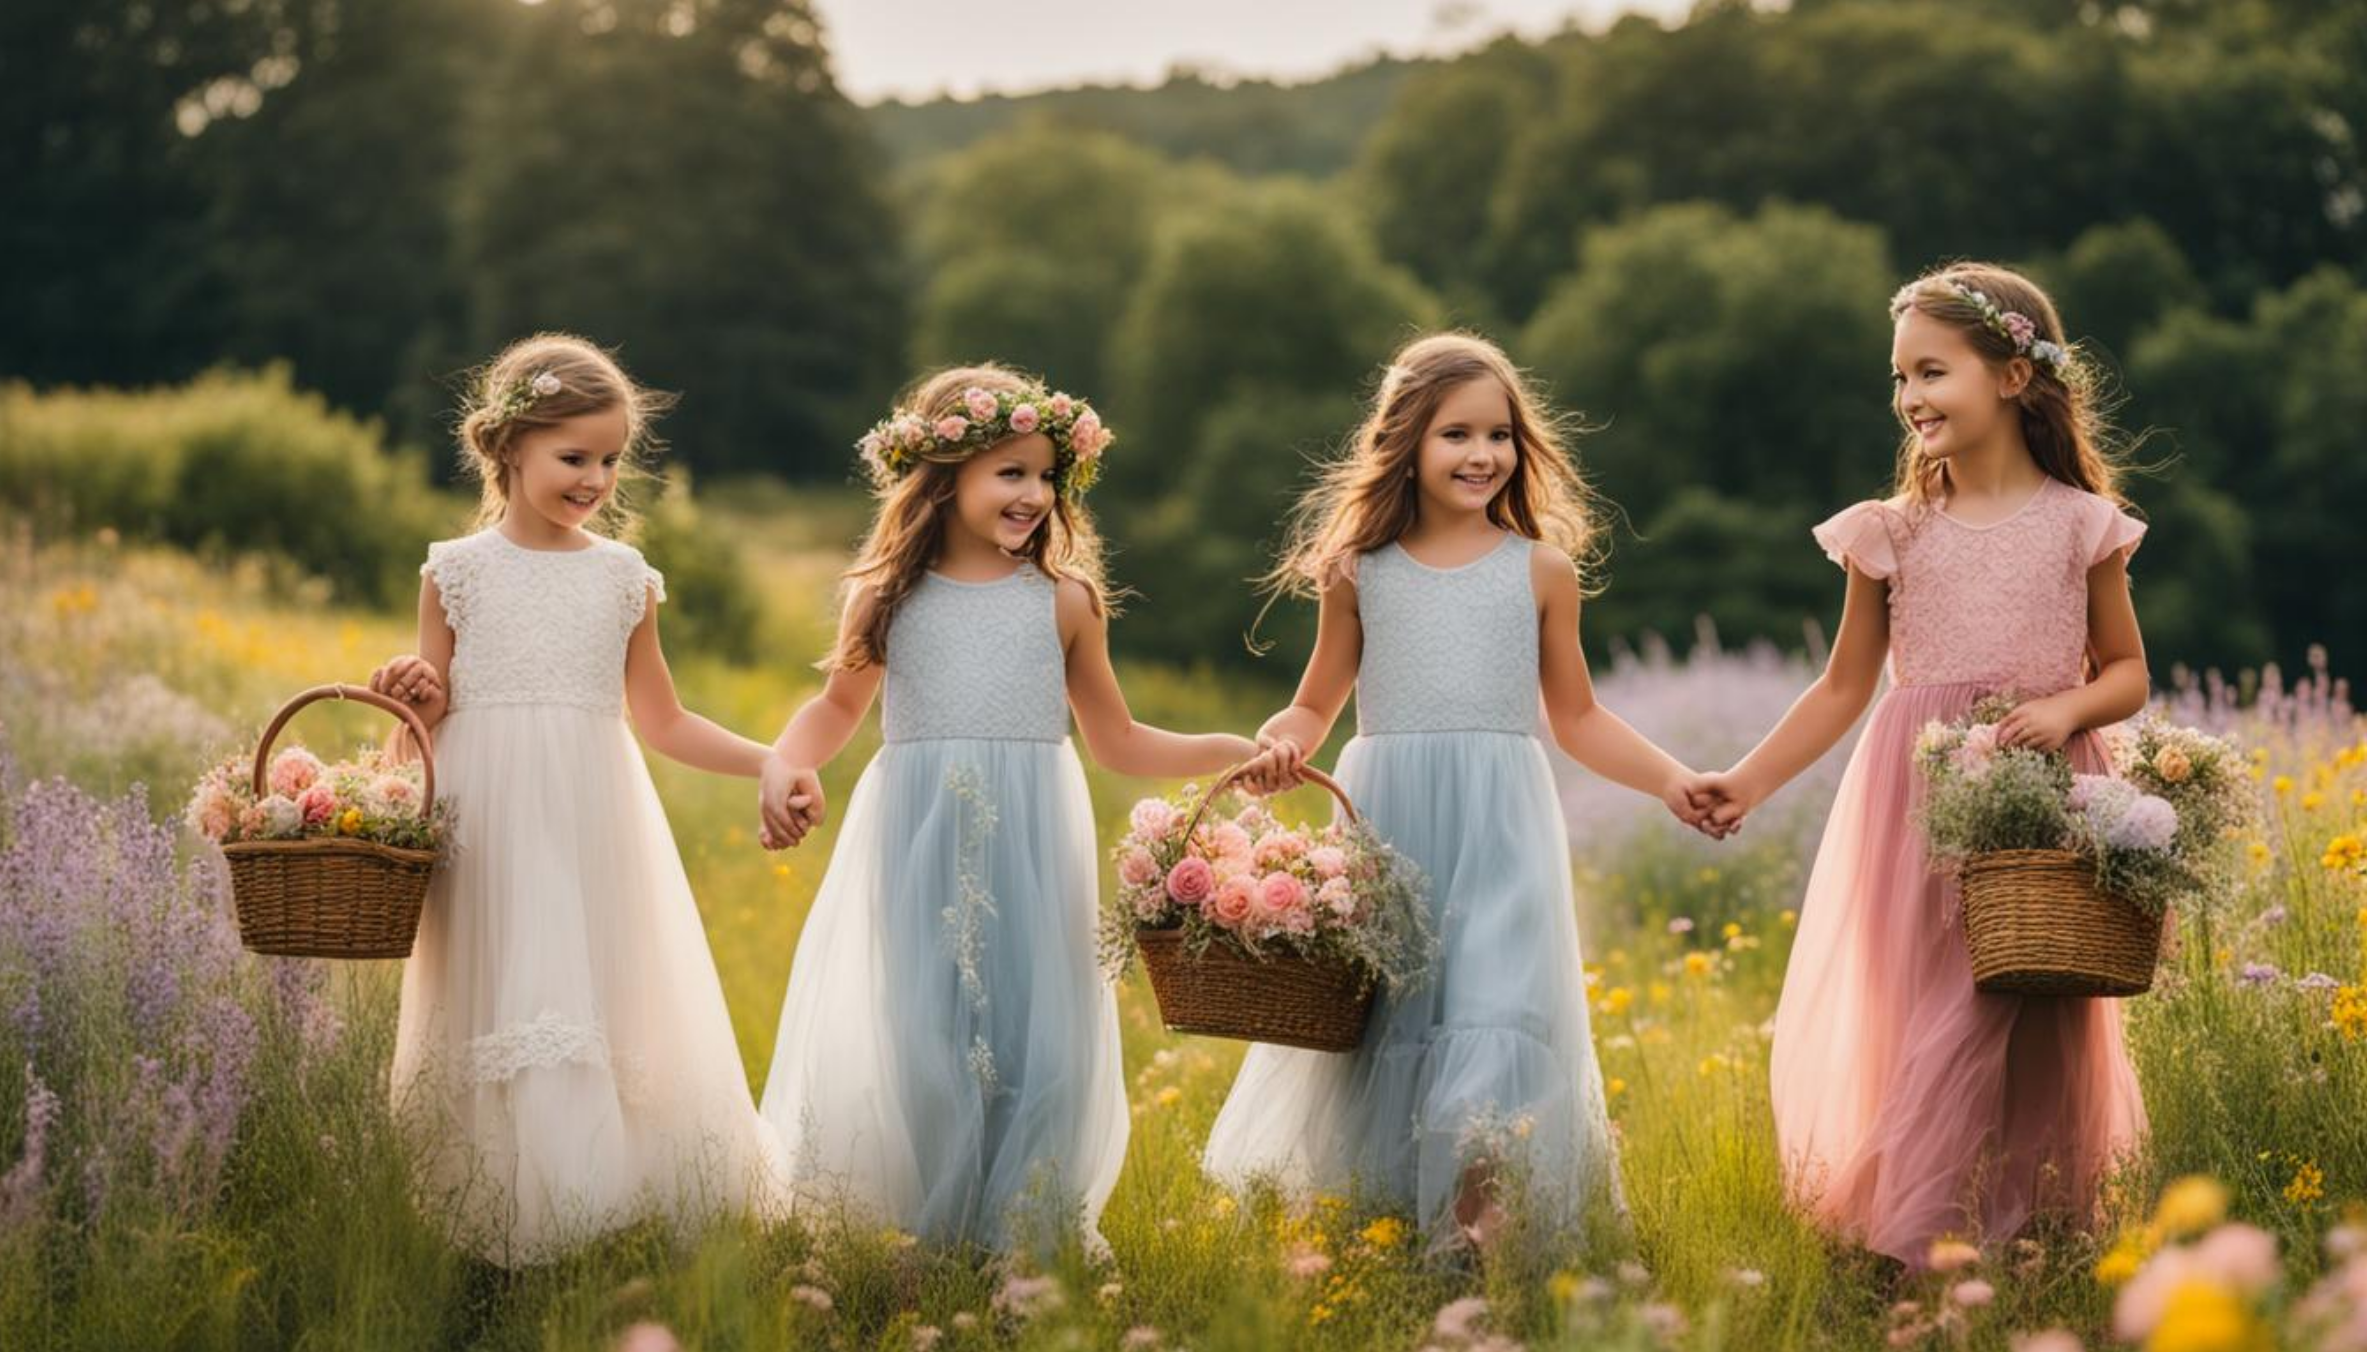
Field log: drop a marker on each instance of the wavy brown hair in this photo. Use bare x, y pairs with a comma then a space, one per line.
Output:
591, 380
908, 527
1368, 496
2063, 416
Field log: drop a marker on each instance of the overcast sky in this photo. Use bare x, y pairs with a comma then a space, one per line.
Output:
919, 48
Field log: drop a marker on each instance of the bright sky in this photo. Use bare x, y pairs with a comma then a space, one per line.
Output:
920, 48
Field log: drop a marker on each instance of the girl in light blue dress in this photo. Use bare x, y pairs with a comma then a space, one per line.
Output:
1442, 550
948, 1057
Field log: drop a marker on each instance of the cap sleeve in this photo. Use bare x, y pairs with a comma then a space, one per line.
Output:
2106, 530
638, 585
1859, 537
452, 566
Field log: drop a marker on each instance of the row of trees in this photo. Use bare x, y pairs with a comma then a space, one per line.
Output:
1688, 233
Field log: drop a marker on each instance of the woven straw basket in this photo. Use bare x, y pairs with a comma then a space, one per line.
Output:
2035, 924
1221, 991
331, 897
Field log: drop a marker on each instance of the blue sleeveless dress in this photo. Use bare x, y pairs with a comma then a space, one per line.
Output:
948, 1055
1491, 1061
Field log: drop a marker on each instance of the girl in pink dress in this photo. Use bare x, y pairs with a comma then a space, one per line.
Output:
1908, 1106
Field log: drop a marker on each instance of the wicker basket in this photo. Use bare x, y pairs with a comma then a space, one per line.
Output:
1221, 991
2035, 924
331, 897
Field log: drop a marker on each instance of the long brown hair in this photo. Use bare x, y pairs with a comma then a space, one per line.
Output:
2062, 411
495, 414
908, 528
1368, 497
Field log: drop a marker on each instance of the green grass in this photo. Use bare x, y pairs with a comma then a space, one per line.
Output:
120, 664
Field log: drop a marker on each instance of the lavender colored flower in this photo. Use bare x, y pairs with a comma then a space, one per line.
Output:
2258, 974
2147, 823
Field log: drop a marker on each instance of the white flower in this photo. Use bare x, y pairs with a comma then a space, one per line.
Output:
2047, 352
281, 816
545, 385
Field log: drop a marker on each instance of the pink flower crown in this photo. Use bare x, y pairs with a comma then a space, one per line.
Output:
2013, 326
895, 444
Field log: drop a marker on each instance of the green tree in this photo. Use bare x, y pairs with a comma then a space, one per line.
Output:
680, 178
2117, 280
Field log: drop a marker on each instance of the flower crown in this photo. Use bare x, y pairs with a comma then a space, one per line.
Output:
517, 398
895, 444
2016, 328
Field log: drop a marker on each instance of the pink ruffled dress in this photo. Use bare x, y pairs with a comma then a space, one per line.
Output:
1908, 1106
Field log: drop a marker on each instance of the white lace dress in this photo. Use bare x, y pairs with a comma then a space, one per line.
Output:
563, 1043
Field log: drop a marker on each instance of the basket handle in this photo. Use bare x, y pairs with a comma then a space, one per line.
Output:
1226, 781
339, 690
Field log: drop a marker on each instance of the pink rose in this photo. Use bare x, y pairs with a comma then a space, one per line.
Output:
250, 820
1232, 842
212, 812
1339, 896
952, 427
293, 771
1137, 868
318, 803
1280, 896
1085, 437
1152, 819
980, 404
397, 796
1061, 404
1233, 903
1025, 419
1190, 881
1280, 848
1328, 861
2021, 328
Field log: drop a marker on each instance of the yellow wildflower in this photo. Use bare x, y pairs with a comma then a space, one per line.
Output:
1385, 1233
1732, 931
1659, 992
2203, 1316
1714, 1063
2257, 852
2191, 1205
1697, 964
2119, 1265
2350, 1012
2283, 784
2343, 853
2312, 801
2308, 1185
1563, 1287
1614, 1087
1788, 919
350, 823
1169, 1097
1616, 1000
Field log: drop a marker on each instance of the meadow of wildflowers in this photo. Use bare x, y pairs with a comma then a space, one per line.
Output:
196, 1151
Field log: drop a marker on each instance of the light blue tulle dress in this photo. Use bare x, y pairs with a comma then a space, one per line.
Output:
1491, 1060
948, 1060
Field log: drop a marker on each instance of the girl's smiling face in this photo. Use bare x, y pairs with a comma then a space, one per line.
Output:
1468, 451
566, 472
1947, 393
1003, 493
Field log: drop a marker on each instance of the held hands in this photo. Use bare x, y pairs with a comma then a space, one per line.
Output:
2040, 724
413, 680
789, 798
1275, 769
1713, 803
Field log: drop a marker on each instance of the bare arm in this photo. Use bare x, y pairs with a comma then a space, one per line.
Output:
1294, 733
2121, 685
1595, 737
1826, 710
671, 730
421, 679
789, 791
1112, 736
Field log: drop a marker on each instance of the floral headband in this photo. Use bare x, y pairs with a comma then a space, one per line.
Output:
517, 398
2014, 327
896, 444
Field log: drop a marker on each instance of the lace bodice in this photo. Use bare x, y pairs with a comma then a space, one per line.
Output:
1447, 649
537, 626
2004, 606
976, 659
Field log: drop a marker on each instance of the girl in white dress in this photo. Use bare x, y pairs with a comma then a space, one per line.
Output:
948, 1057
563, 1040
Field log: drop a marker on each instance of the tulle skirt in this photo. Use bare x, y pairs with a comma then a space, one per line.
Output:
1490, 1063
563, 1044
1909, 1106
948, 1057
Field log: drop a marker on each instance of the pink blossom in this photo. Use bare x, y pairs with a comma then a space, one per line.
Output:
1234, 902
1232, 842
1152, 818
1136, 868
1306, 1261
1086, 435
1025, 419
1281, 896
2048, 1340
1457, 1319
1972, 1294
952, 427
1280, 848
1328, 861
2141, 1302
319, 803
1191, 881
1339, 896
397, 795
2020, 327
294, 770
213, 812
1061, 404
250, 820
980, 403
2242, 1257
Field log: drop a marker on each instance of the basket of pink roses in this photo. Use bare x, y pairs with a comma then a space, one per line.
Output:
1254, 929
326, 860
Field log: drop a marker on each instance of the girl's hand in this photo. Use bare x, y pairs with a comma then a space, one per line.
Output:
789, 799
2040, 724
1691, 801
1276, 767
414, 681
1723, 801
